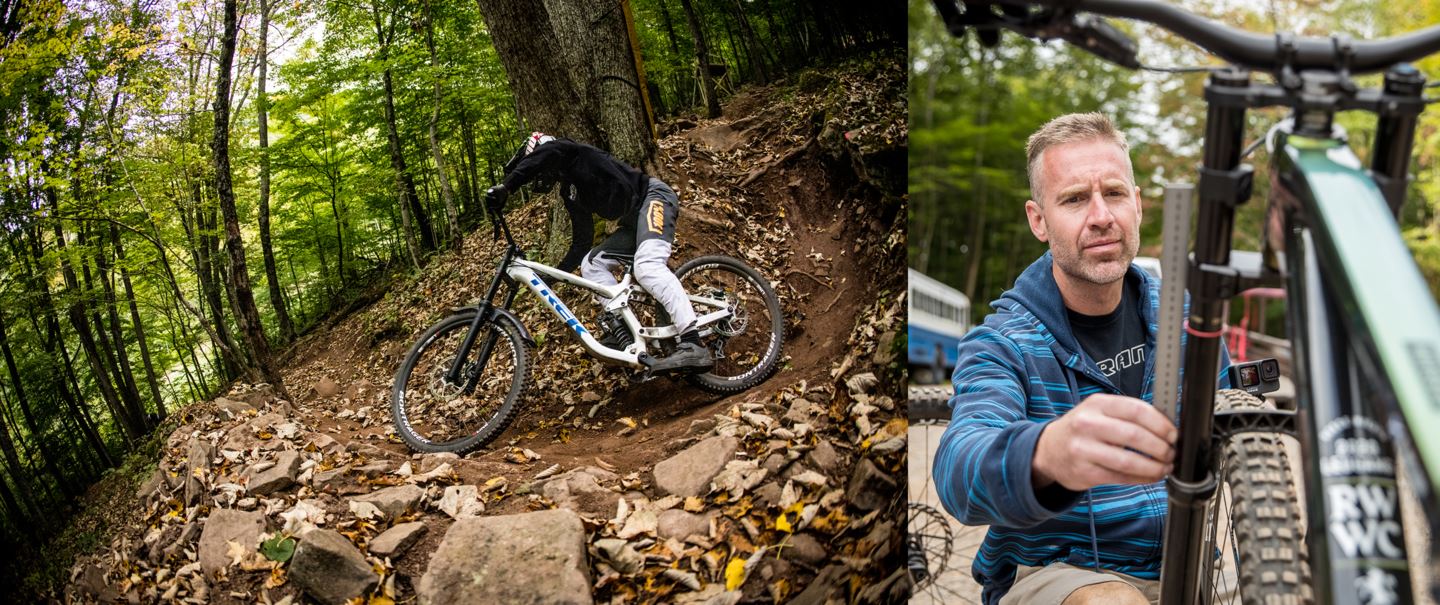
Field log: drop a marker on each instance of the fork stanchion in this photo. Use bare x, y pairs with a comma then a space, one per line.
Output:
1222, 188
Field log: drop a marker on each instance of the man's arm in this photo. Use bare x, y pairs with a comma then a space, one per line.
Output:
582, 234
983, 465
544, 157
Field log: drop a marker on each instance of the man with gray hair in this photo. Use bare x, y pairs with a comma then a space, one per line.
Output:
1053, 440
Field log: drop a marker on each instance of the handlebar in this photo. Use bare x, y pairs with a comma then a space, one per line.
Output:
1269, 53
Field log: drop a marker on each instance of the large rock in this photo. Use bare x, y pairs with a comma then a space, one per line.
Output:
831, 582
461, 502
806, 411
678, 524
532, 558
232, 408
224, 526
330, 569
261, 395
393, 501
278, 477
200, 454
870, 488
806, 549
689, 472
824, 457
325, 387
151, 485
396, 539
580, 490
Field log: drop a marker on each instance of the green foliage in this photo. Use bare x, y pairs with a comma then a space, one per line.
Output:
972, 109
757, 41
279, 548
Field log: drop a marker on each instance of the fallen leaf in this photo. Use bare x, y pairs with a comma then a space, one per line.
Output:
734, 573
279, 548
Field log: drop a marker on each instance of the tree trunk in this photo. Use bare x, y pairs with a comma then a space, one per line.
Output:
680, 83
262, 108
29, 415
203, 252
452, 216
782, 57
139, 325
590, 90
76, 314
404, 181
54, 347
17, 516
702, 59
757, 53
129, 390
17, 469
547, 96
735, 52
467, 131
239, 277
71, 394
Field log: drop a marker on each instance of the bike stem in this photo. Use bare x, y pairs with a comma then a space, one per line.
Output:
1224, 184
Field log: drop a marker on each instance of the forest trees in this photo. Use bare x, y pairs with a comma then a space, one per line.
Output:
150, 151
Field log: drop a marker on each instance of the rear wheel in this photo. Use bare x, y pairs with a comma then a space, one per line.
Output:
433, 413
747, 344
1253, 522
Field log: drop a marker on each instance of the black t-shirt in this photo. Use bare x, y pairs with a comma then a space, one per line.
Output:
1116, 341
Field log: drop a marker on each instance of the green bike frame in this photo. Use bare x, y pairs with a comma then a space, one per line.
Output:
1366, 330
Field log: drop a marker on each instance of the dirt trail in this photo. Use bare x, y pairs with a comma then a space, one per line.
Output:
794, 226
802, 181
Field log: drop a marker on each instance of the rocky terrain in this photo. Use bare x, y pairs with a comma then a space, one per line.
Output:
602, 490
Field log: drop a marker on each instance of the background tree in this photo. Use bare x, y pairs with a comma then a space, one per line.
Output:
967, 170
149, 151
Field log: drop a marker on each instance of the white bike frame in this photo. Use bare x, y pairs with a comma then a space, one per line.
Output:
530, 272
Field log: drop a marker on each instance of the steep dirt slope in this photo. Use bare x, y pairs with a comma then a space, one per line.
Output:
803, 181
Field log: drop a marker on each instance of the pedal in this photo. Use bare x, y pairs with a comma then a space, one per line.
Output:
646, 373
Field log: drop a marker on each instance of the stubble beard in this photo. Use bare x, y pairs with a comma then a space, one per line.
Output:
1097, 272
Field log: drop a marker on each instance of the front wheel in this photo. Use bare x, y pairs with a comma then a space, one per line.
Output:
747, 344
432, 413
1253, 524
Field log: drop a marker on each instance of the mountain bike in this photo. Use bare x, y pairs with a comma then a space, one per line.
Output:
462, 380
1364, 326
932, 553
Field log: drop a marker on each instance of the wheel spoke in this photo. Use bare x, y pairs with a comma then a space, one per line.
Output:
437, 414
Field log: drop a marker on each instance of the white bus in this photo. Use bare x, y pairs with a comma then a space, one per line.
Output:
938, 316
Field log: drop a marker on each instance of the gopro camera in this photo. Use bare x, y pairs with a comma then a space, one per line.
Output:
1256, 377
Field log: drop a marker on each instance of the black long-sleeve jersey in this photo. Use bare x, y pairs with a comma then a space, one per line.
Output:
591, 182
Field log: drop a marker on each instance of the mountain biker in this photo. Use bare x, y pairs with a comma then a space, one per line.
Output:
594, 182
1053, 440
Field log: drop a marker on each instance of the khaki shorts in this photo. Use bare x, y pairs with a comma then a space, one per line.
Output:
1050, 585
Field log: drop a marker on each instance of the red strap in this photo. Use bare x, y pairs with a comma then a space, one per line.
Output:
1198, 334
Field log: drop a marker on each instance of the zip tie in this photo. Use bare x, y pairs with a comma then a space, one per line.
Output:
1198, 334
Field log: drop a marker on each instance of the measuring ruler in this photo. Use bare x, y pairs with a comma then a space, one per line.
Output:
1174, 263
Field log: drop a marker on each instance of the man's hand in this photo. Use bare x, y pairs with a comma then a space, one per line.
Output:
495, 198
1087, 446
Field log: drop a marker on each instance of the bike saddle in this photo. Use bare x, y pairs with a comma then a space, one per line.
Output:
625, 259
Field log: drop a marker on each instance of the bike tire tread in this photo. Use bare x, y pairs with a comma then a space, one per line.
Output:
1265, 515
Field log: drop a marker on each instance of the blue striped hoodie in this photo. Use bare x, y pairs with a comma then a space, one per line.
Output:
1018, 370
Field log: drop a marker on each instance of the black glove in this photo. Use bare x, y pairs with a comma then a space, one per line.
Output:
495, 198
